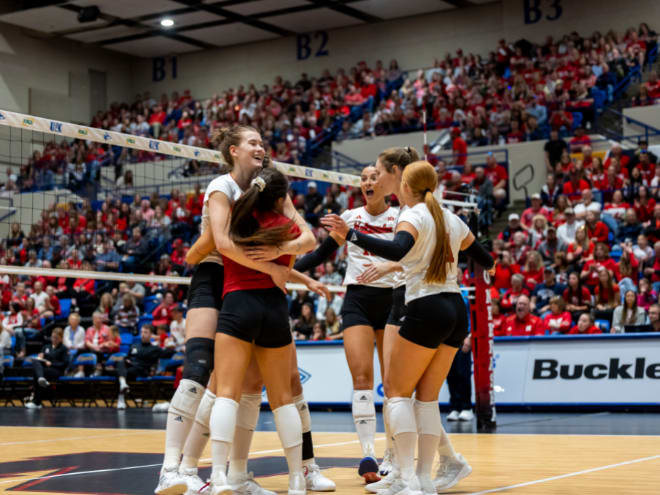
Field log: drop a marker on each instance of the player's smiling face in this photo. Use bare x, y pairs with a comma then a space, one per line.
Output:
389, 181
370, 185
250, 153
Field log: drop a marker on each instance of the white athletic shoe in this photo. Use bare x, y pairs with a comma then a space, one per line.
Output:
160, 407
79, 374
315, 480
453, 416
398, 487
248, 486
121, 403
171, 483
450, 472
220, 485
466, 415
192, 481
297, 484
386, 465
32, 405
43, 382
385, 482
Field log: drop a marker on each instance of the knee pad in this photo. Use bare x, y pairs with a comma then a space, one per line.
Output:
203, 415
185, 401
402, 415
427, 415
287, 421
223, 419
363, 405
199, 360
303, 411
248, 411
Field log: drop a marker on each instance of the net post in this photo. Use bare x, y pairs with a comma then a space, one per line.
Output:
482, 349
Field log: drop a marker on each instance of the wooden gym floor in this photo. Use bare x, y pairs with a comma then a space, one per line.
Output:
123, 459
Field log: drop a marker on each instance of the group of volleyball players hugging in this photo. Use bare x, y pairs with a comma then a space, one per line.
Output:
402, 294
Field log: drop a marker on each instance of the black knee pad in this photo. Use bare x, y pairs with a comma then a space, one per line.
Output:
199, 360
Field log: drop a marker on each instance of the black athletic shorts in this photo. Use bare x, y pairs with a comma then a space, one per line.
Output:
364, 305
205, 290
258, 315
436, 319
398, 310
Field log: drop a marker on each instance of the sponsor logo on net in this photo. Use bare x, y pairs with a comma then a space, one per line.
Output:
56, 127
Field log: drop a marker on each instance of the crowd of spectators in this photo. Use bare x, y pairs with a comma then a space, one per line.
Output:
517, 92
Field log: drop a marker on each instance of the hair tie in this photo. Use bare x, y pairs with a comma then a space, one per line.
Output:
427, 190
259, 182
407, 149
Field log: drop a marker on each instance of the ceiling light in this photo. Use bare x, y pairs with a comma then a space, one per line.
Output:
167, 23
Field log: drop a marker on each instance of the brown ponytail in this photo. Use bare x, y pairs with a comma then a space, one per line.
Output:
244, 227
422, 180
400, 157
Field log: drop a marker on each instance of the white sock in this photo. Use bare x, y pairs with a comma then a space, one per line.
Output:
199, 433
306, 420
364, 417
289, 428
386, 422
404, 430
122, 382
445, 448
429, 425
246, 422
223, 424
180, 416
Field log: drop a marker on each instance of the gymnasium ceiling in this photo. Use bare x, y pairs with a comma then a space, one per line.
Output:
133, 26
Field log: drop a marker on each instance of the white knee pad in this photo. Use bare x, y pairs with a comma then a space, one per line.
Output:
402, 415
223, 419
203, 416
186, 399
427, 415
248, 411
289, 426
303, 410
363, 406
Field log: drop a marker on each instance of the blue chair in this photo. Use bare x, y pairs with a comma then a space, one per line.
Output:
8, 361
112, 360
604, 325
65, 307
27, 362
150, 303
577, 120
86, 359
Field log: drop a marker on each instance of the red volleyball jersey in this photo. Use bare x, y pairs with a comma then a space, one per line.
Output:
239, 277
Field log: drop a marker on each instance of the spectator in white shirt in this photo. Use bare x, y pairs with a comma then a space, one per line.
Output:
178, 329
566, 231
586, 204
40, 297
74, 334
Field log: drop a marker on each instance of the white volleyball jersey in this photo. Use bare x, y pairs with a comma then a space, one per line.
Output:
381, 226
227, 185
417, 261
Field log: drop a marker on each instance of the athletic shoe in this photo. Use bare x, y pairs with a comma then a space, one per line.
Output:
192, 481
386, 466
385, 482
121, 403
450, 472
43, 382
79, 374
453, 416
369, 469
161, 407
123, 387
315, 480
32, 405
220, 486
466, 415
171, 482
247, 485
297, 484
398, 486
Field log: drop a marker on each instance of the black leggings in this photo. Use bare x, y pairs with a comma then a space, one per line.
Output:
40, 371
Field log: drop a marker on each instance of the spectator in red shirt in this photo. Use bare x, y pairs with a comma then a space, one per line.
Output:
511, 296
644, 204
577, 297
537, 208
533, 271
522, 323
585, 325
596, 230
622, 160
459, 147
504, 270
581, 249
600, 260
558, 320
606, 295
163, 312
579, 140
575, 185
179, 252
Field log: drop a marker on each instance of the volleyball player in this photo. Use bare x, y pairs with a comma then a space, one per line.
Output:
254, 320
427, 243
365, 309
243, 151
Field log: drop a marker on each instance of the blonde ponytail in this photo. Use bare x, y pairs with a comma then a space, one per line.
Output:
437, 270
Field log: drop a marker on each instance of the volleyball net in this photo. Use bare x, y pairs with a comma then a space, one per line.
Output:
86, 210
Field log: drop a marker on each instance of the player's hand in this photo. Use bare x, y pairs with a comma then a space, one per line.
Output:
373, 272
262, 253
492, 271
280, 275
334, 223
320, 289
